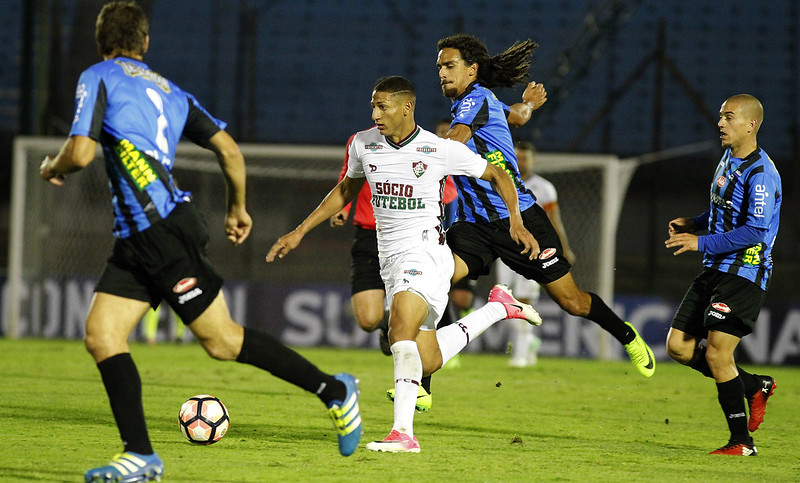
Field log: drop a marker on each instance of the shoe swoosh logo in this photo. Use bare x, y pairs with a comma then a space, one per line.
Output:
649, 361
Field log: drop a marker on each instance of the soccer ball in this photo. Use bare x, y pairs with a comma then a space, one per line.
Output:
204, 419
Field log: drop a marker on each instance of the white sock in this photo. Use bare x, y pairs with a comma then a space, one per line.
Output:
453, 338
407, 373
522, 338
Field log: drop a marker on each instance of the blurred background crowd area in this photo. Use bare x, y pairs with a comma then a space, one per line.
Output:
641, 79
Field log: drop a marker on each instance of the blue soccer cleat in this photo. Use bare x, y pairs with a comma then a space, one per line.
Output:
128, 467
346, 416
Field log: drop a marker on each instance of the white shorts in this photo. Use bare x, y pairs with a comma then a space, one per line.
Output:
521, 287
426, 271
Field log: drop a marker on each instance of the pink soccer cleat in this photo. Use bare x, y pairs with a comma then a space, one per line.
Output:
396, 442
514, 308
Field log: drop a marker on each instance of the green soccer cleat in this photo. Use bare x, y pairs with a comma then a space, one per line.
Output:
128, 467
424, 400
640, 353
453, 363
346, 416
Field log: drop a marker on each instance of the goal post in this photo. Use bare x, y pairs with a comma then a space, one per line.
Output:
591, 189
64, 233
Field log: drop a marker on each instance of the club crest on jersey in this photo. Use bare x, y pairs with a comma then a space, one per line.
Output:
721, 307
184, 285
373, 146
419, 168
721, 181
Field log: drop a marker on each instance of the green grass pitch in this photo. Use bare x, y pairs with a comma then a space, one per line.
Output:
563, 420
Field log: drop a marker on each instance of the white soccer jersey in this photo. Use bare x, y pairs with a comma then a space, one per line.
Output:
407, 182
544, 190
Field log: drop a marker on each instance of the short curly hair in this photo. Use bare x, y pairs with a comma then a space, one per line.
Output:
121, 26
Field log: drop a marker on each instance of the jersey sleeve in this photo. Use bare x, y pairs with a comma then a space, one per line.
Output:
346, 158
200, 125
343, 171
762, 194
354, 167
90, 106
472, 111
730, 241
461, 161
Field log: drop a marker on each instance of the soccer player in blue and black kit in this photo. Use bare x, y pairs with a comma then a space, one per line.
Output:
481, 121
159, 253
723, 302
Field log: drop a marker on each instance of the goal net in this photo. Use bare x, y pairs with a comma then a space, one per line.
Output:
60, 237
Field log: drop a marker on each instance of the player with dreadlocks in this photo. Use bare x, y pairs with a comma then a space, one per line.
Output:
480, 234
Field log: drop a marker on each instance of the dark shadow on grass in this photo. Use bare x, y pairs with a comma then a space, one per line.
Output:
25, 475
37, 413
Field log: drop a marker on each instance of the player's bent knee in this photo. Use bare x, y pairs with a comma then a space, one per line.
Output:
718, 358
224, 342
101, 346
680, 352
430, 367
368, 324
219, 350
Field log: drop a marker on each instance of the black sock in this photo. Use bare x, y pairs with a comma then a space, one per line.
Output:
752, 382
731, 398
266, 352
603, 316
124, 389
700, 364
425, 382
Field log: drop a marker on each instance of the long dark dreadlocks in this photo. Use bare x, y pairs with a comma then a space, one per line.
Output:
505, 69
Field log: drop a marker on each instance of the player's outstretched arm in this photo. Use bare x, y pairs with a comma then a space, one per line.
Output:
504, 186
75, 154
339, 196
238, 222
533, 98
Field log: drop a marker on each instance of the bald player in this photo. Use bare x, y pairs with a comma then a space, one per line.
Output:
723, 302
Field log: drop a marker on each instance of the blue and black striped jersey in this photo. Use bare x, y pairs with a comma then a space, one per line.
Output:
486, 115
138, 118
745, 191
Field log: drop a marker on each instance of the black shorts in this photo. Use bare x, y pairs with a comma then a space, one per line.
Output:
719, 301
365, 267
165, 262
480, 244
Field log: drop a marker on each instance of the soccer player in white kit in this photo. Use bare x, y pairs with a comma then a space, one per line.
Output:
406, 168
524, 343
